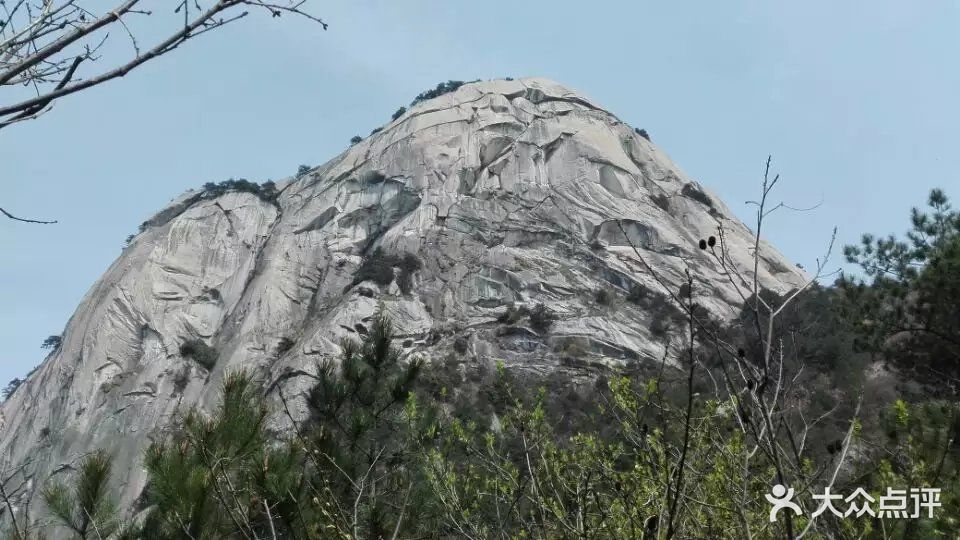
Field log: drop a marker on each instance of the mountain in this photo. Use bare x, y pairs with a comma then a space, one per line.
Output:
509, 220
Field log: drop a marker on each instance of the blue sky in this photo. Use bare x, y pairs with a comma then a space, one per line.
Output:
856, 100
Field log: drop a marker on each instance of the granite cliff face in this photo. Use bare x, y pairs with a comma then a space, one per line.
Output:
506, 192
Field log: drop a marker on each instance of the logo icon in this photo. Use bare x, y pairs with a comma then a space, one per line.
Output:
781, 499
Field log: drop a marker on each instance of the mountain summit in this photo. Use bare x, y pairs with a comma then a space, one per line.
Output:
509, 220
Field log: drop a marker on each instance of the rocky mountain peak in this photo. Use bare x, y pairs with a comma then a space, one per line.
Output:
507, 220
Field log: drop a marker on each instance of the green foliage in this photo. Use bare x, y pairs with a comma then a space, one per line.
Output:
52, 342
367, 426
441, 89
284, 345
907, 304
206, 479
400, 112
84, 506
379, 268
201, 353
662, 201
603, 296
392, 448
642, 132
513, 314
542, 318
355, 139
409, 264
303, 170
266, 192
695, 193
921, 450
11, 388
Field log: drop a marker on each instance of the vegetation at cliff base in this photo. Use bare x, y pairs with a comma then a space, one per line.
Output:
822, 386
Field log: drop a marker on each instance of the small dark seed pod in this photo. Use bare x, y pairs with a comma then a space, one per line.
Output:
712, 241
741, 353
703, 244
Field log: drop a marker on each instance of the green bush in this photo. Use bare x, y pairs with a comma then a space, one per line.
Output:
266, 192
603, 296
284, 345
199, 352
541, 318
441, 89
400, 112
379, 268
52, 342
513, 314
11, 388
642, 132
302, 170
181, 379
693, 192
662, 202
355, 139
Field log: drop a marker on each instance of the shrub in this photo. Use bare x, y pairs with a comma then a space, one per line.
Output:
267, 192
378, 268
405, 282
355, 139
441, 89
376, 130
603, 296
573, 351
513, 315
642, 132
199, 352
660, 325
460, 344
181, 379
130, 239
302, 170
409, 265
662, 202
284, 345
52, 342
638, 295
541, 318
694, 193
400, 112
11, 388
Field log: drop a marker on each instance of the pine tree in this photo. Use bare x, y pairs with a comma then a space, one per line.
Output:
84, 506
908, 306
365, 428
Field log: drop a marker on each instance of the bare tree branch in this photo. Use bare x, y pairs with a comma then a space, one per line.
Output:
44, 42
15, 218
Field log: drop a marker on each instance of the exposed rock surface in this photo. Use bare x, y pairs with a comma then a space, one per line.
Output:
506, 192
